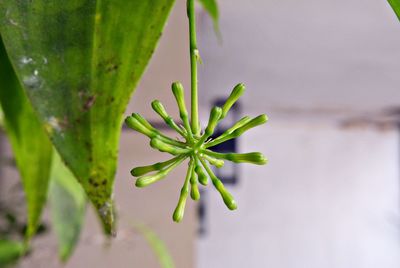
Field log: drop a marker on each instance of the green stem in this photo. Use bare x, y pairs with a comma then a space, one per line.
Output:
194, 54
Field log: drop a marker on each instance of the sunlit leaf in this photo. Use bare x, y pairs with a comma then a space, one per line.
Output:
396, 6
68, 202
31, 146
79, 61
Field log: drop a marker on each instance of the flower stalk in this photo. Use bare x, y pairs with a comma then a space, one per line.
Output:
195, 144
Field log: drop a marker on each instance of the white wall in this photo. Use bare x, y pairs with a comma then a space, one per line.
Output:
329, 197
327, 54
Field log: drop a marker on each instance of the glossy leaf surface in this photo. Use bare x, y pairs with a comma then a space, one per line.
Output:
79, 61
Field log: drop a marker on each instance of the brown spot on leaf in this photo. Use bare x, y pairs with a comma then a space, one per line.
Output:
89, 102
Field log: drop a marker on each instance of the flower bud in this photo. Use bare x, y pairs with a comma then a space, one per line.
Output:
178, 91
149, 179
213, 120
139, 171
157, 143
179, 210
237, 91
253, 158
213, 161
194, 191
226, 196
159, 109
133, 123
259, 120
202, 177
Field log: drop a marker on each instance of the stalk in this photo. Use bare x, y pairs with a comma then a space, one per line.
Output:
194, 54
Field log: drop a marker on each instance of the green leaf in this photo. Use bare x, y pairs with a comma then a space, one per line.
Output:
396, 7
157, 245
211, 7
79, 61
1, 118
68, 203
10, 252
31, 146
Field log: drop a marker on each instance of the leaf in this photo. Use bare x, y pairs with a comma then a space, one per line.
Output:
396, 7
79, 61
31, 146
10, 252
1, 118
211, 7
157, 245
68, 203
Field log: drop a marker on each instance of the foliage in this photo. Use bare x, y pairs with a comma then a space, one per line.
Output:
211, 6
68, 203
10, 252
395, 4
79, 62
31, 146
67, 69
157, 245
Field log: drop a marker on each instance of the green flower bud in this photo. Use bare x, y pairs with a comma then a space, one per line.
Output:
226, 196
194, 190
178, 91
159, 108
180, 209
149, 179
244, 125
213, 120
203, 178
157, 143
213, 161
237, 91
253, 158
259, 120
133, 123
139, 171
143, 121
244, 120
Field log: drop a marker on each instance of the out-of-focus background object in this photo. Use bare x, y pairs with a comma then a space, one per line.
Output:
327, 74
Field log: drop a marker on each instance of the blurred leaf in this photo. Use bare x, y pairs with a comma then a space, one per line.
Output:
396, 7
10, 252
68, 202
1, 118
157, 245
79, 61
211, 7
31, 146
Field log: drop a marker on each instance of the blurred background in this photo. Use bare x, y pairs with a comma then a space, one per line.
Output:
327, 75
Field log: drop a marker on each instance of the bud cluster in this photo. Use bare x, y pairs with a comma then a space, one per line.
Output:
195, 148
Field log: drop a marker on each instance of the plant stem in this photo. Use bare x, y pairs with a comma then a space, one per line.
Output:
194, 54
